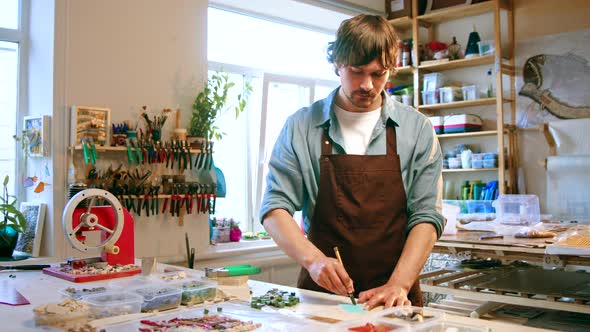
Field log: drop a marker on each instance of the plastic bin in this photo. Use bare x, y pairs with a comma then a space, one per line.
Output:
79, 293
489, 163
445, 326
158, 296
454, 163
437, 123
450, 94
411, 317
113, 304
490, 155
430, 97
476, 163
478, 206
486, 47
517, 209
477, 156
433, 81
470, 92
196, 291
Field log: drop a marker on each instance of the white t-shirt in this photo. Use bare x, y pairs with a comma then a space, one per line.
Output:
357, 128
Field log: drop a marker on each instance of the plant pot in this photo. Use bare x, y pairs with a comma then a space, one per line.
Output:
195, 142
8, 238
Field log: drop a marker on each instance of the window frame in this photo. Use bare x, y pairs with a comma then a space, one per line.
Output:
20, 35
254, 182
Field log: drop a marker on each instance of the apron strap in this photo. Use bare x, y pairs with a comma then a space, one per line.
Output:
391, 139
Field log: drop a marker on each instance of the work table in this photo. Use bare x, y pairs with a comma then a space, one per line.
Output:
40, 288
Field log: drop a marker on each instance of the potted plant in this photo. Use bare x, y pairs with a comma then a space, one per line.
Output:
13, 222
211, 103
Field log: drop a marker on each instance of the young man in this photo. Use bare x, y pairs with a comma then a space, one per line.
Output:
366, 171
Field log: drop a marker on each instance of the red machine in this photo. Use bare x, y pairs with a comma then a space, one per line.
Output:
116, 239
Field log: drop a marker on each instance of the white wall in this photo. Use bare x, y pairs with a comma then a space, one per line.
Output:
122, 55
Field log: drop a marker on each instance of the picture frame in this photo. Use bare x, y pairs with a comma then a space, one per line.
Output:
90, 122
36, 131
29, 242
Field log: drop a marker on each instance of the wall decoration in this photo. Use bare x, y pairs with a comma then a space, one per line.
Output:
30, 241
555, 78
36, 134
92, 123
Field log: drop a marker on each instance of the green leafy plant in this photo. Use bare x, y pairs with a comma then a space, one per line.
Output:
211, 103
11, 216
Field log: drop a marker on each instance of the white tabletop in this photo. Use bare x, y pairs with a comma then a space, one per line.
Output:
40, 288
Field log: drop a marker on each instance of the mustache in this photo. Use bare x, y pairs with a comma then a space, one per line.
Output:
362, 92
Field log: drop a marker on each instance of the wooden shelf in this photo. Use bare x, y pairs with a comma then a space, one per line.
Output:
402, 23
458, 104
461, 63
116, 149
471, 134
405, 70
456, 12
459, 170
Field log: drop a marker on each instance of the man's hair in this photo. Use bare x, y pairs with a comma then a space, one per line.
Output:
362, 39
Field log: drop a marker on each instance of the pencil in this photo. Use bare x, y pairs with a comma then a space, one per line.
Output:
337, 252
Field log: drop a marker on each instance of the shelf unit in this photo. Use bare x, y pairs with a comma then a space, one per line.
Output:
503, 64
117, 149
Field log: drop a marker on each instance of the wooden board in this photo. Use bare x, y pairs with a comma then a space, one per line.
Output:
55, 271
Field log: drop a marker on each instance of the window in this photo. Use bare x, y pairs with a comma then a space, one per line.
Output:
287, 69
10, 52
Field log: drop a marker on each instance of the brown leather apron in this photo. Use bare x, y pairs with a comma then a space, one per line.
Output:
361, 208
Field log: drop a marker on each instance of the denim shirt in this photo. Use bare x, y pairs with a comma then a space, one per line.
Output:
293, 179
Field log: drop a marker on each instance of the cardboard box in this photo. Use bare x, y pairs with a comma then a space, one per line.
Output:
398, 8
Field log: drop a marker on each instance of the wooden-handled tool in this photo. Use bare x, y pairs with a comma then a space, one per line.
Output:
337, 252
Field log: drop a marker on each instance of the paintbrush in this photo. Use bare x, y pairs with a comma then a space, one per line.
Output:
337, 252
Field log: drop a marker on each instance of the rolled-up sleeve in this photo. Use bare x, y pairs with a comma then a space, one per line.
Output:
284, 182
424, 201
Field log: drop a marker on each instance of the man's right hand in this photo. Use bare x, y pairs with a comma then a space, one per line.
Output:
331, 275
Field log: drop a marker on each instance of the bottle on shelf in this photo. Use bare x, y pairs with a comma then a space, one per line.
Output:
490, 85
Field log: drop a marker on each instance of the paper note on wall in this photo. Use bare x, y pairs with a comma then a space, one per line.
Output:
568, 187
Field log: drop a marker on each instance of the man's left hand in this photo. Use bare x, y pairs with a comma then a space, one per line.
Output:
386, 295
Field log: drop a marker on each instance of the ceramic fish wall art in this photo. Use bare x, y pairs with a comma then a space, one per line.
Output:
559, 83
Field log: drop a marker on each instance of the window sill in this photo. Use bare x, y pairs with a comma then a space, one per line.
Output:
237, 248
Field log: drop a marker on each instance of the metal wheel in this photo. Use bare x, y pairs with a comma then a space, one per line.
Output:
90, 220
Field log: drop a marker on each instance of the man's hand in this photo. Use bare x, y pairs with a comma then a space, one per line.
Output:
330, 274
388, 295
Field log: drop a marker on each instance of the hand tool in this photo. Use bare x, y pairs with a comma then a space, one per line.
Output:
337, 252
231, 271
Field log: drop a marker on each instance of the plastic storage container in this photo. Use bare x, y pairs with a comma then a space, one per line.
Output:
158, 296
450, 94
454, 163
470, 92
445, 326
412, 318
79, 293
433, 81
517, 209
478, 206
489, 163
196, 291
430, 97
113, 304
486, 47
437, 123
476, 163
462, 123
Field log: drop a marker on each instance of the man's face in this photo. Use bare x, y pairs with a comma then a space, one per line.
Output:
362, 86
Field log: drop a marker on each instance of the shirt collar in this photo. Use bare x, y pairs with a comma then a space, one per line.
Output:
324, 113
